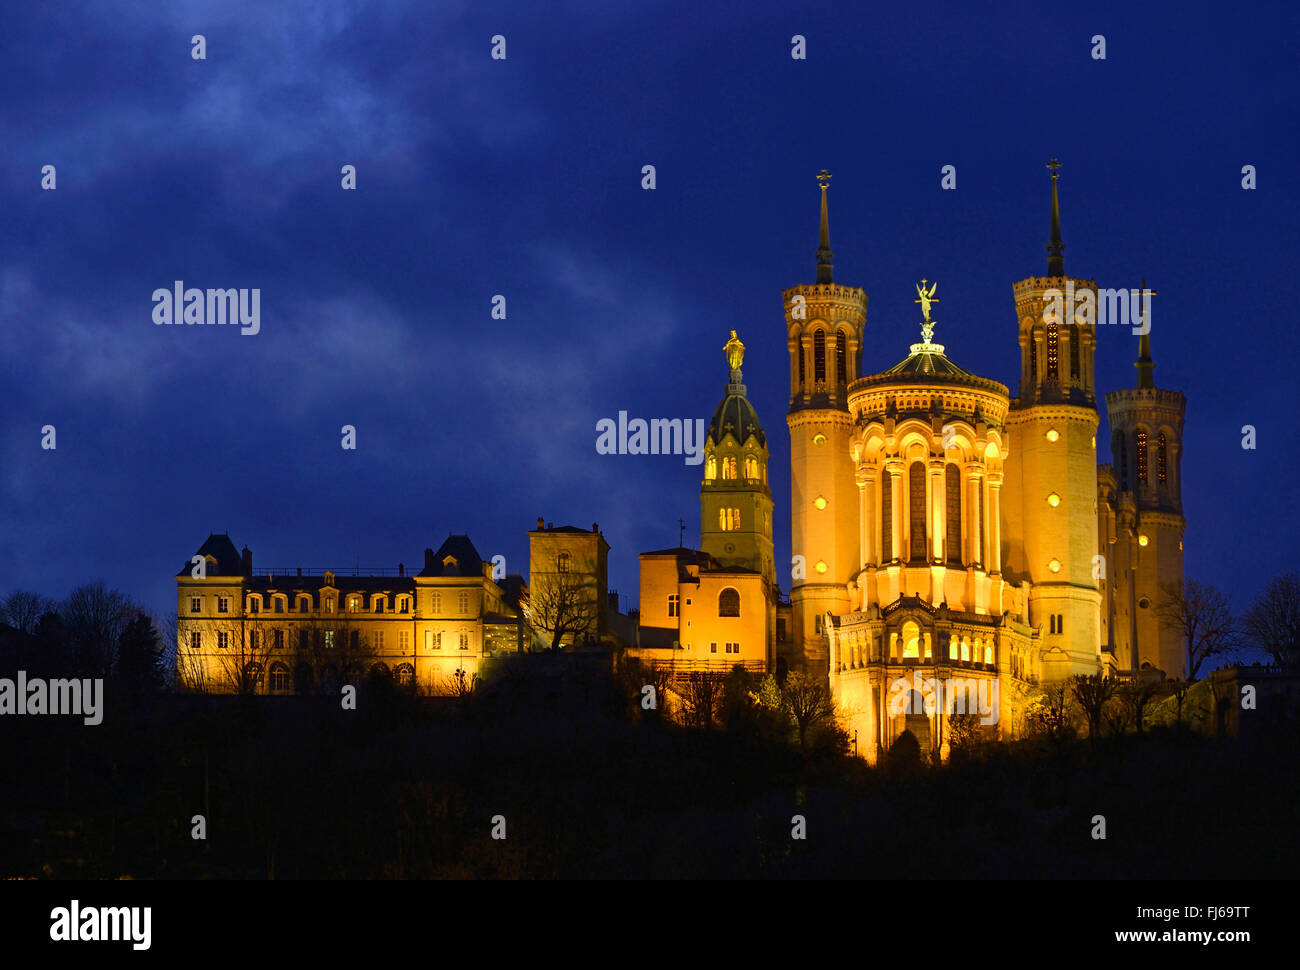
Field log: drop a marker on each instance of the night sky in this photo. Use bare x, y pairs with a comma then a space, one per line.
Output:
522, 177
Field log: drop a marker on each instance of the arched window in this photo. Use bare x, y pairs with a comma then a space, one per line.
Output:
803, 366
729, 602
380, 671
252, 676
729, 520
916, 495
279, 679
886, 517
952, 647
562, 564
819, 357
952, 490
1162, 457
711, 468
404, 674
354, 604
1033, 358
965, 649
1053, 351
751, 468
841, 361
1076, 348
911, 636
1142, 456
988, 652
729, 467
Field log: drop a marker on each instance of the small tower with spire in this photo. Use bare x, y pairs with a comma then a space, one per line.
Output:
824, 323
1140, 509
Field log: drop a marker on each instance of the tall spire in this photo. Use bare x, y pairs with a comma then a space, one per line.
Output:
824, 254
1055, 248
1145, 365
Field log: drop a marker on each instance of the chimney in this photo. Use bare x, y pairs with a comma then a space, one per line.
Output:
246, 560
401, 569
550, 525
611, 599
299, 570
428, 559
595, 528
541, 524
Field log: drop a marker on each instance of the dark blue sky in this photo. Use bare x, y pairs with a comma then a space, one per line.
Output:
478, 177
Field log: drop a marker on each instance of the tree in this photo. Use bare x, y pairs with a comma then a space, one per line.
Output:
139, 668
561, 603
1137, 692
701, 693
95, 617
809, 702
1179, 689
22, 609
1092, 692
1049, 712
1273, 620
1200, 614
963, 731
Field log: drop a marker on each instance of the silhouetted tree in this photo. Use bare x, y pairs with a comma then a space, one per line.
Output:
138, 670
701, 693
1200, 614
809, 701
1137, 692
95, 617
23, 609
561, 602
1273, 620
1091, 693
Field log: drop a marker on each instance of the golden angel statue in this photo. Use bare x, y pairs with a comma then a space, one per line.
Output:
735, 351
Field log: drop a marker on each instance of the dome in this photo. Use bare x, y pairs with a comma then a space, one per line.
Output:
734, 415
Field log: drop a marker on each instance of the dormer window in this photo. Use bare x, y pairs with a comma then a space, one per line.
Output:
450, 567
354, 604
253, 604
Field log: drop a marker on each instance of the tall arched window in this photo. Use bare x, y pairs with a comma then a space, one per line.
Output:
911, 637
729, 520
729, 468
1142, 456
952, 488
803, 366
1033, 358
1053, 351
916, 508
819, 357
841, 361
1076, 345
562, 565
1162, 457
404, 674
886, 518
279, 678
711, 468
751, 468
729, 602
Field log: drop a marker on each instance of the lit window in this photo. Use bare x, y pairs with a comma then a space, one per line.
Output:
329, 639
952, 647
354, 604
988, 653
711, 468
1142, 455
404, 674
729, 468
965, 649
1162, 457
729, 520
729, 602
379, 640
751, 468
329, 604
464, 641
911, 636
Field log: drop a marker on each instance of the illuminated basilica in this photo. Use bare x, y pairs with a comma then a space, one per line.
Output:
942, 530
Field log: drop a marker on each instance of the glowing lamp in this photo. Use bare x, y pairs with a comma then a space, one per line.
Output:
1053, 435
1054, 565
820, 502
1053, 500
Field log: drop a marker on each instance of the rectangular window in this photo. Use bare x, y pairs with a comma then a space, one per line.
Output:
302, 640
437, 640
279, 604
713, 648
462, 602
252, 604
223, 605
403, 641
674, 604
329, 604
196, 641
379, 640
464, 641
254, 639
223, 640
435, 602
329, 639
406, 604
279, 640
196, 604
304, 605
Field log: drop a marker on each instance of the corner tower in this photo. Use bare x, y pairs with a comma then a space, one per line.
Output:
1050, 489
1143, 519
735, 500
824, 324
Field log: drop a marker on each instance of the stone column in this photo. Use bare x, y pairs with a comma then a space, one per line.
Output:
995, 522
895, 468
976, 528
938, 509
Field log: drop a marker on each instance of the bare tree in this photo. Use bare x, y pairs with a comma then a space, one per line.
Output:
1200, 614
95, 617
701, 693
1137, 692
1091, 693
562, 603
23, 609
1179, 689
808, 700
1273, 620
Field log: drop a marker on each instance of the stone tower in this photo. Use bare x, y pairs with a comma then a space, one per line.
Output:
1050, 490
735, 500
824, 324
1142, 515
